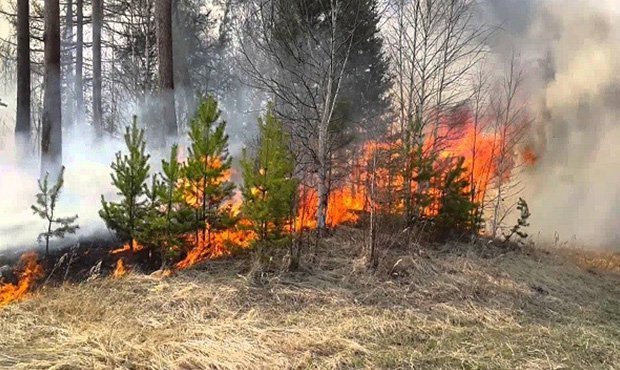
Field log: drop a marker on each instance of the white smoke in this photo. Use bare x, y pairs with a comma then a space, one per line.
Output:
574, 189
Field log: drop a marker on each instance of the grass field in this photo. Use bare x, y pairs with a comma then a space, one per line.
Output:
448, 307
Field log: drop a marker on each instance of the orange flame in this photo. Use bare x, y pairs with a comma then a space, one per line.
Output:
120, 270
217, 243
127, 247
31, 272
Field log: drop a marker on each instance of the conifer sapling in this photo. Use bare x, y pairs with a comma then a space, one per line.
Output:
129, 176
268, 184
206, 186
45, 208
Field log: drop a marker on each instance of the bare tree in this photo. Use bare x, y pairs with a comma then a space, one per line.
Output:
166, 68
68, 49
23, 123
97, 15
434, 45
79, 62
511, 121
51, 135
300, 56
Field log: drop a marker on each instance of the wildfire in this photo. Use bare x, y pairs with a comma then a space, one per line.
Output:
127, 247
379, 163
529, 156
120, 270
31, 272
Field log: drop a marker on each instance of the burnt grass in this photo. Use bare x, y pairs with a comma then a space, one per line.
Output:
468, 305
76, 262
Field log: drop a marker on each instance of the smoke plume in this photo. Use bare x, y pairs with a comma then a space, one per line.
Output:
571, 50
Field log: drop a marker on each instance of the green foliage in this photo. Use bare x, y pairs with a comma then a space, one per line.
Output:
205, 184
268, 184
454, 218
130, 174
169, 218
522, 222
45, 207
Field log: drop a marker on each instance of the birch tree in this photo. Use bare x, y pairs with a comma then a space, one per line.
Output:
299, 53
434, 45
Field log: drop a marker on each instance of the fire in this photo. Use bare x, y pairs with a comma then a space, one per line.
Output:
120, 270
127, 247
529, 156
217, 243
31, 272
380, 163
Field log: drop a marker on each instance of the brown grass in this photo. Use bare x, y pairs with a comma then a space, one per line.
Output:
450, 307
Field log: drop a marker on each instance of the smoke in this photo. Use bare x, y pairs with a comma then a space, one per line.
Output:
571, 51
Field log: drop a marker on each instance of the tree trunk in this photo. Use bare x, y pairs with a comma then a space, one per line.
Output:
51, 136
166, 70
79, 63
97, 16
69, 106
323, 188
22, 125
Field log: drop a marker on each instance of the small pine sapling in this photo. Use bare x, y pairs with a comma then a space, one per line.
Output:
454, 216
45, 208
205, 184
522, 222
169, 218
130, 174
268, 184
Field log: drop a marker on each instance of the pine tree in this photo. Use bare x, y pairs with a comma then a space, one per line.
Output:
522, 222
45, 208
206, 185
130, 174
268, 184
169, 218
454, 217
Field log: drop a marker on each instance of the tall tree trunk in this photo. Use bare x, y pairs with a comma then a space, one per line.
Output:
22, 125
68, 78
97, 24
323, 188
79, 63
166, 70
51, 136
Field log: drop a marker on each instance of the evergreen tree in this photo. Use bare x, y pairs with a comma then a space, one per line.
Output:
522, 222
169, 218
268, 184
206, 185
454, 217
130, 174
45, 208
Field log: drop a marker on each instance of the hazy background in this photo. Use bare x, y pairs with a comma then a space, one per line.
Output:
569, 50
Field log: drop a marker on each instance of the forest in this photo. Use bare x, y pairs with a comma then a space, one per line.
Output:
185, 149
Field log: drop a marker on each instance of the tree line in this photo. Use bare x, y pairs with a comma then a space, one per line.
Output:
407, 78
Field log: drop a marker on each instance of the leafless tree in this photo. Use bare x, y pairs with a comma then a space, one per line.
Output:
300, 58
434, 45
511, 121
23, 123
97, 15
166, 68
79, 62
68, 67
51, 134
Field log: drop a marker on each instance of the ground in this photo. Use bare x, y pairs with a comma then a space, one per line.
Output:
476, 306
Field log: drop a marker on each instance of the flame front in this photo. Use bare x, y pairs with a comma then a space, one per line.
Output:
32, 271
120, 270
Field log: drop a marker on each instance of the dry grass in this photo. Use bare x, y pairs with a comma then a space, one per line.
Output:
437, 309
